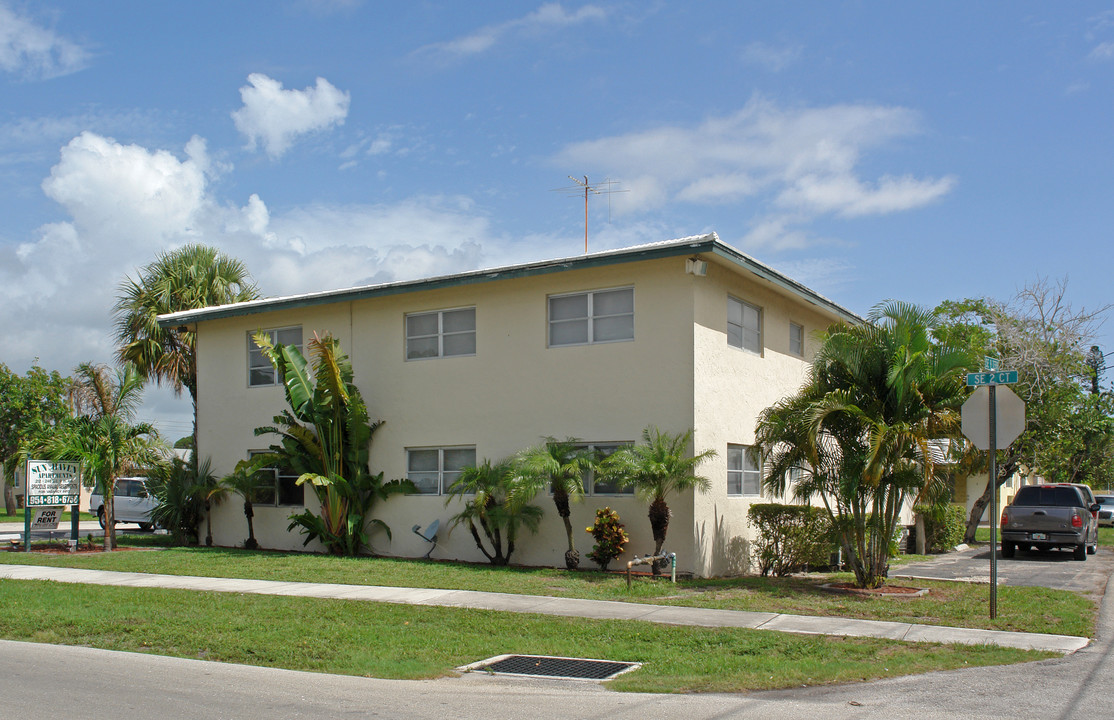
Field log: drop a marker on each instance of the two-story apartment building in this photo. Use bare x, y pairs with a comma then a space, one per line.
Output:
688, 333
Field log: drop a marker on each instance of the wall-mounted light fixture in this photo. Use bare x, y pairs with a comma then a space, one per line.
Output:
696, 266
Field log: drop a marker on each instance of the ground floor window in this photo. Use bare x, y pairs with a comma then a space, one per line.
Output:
744, 470
283, 490
433, 470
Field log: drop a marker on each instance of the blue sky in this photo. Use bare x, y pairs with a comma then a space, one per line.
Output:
917, 151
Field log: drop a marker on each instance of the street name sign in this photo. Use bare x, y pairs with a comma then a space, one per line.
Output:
1000, 377
991, 363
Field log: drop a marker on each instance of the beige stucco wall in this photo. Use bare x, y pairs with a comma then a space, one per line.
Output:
510, 395
732, 387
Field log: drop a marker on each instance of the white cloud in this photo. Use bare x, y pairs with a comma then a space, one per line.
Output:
35, 52
1103, 51
804, 160
275, 117
847, 196
548, 16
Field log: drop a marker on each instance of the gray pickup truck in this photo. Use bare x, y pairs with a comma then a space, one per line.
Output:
1051, 516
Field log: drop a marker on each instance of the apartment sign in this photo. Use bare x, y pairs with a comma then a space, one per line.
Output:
50, 484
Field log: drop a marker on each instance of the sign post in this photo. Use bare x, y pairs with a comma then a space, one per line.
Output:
993, 417
51, 484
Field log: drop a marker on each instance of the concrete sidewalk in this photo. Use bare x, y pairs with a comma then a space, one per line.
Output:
570, 607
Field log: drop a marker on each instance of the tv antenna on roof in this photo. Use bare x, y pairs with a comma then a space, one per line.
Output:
602, 188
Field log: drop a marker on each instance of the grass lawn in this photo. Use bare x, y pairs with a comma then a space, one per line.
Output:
413, 642
954, 604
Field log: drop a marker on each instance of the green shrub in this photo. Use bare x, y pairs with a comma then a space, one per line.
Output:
791, 538
944, 525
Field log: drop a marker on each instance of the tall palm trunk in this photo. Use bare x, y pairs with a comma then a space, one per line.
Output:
659, 523
110, 522
249, 513
561, 500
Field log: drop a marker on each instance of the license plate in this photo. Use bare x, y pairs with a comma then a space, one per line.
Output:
1039, 536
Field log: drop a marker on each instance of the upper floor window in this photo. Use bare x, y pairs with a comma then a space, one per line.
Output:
797, 339
744, 325
443, 333
744, 470
591, 317
434, 470
260, 371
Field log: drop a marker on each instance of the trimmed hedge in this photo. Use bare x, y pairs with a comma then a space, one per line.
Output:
944, 525
790, 538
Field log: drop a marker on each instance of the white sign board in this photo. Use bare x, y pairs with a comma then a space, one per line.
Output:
1009, 417
53, 483
46, 518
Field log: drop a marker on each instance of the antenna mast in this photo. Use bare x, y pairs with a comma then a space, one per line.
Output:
603, 188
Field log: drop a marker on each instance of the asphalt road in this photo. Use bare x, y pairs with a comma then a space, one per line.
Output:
1053, 569
96, 684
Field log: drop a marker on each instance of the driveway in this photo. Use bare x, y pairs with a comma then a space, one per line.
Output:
1054, 569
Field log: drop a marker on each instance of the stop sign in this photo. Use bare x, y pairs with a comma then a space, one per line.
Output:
1009, 420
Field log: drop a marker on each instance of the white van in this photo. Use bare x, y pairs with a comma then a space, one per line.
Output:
133, 504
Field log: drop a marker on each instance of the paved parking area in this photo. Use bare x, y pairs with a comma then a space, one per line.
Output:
1054, 569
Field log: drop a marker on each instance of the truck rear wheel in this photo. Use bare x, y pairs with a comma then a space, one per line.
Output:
1081, 552
1008, 549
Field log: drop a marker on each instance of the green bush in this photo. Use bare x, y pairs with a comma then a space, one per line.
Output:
944, 525
791, 538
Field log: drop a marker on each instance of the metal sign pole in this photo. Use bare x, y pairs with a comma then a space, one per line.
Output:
992, 479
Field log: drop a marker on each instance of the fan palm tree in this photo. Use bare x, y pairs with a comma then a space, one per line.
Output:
190, 277
661, 465
496, 501
863, 426
246, 480
101, 436
559, 465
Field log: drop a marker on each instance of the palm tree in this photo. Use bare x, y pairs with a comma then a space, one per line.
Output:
182, 488
497, 500
101, 436
863, 427
559, 465
325, 437
193, 276
656, 468
246, 480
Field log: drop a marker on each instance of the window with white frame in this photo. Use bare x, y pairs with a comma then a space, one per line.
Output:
797, 339
260, 371
597, 486
744, 325
744, 470
585, 318
434, 470
282, 491
442, 333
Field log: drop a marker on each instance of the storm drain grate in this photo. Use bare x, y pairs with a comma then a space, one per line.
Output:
554, 667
